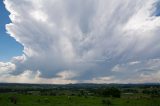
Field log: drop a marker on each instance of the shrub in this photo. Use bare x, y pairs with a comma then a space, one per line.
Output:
107, 102
13, 99
111, 92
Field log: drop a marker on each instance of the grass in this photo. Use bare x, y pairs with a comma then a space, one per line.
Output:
36, 100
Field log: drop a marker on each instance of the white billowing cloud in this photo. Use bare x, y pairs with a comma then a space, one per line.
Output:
19, 59
39, 16
66, 74
6, 67
33, 77
96, 40
104, 80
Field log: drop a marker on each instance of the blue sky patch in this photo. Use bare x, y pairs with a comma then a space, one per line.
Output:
157, 9
8, 46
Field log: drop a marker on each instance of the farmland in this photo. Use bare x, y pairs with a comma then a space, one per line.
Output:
79, 95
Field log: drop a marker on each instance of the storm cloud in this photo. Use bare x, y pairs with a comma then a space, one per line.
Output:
99, 41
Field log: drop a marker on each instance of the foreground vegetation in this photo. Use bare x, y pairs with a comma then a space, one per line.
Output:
95, 95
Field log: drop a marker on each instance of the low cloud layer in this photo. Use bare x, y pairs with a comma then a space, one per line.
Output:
96, 41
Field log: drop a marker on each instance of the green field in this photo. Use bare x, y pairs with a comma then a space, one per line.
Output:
80, 95
36, 100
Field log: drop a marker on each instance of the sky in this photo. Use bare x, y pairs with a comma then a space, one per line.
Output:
8, 46
76, 41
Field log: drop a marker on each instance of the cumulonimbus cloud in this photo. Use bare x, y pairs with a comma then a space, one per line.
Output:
87, 39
